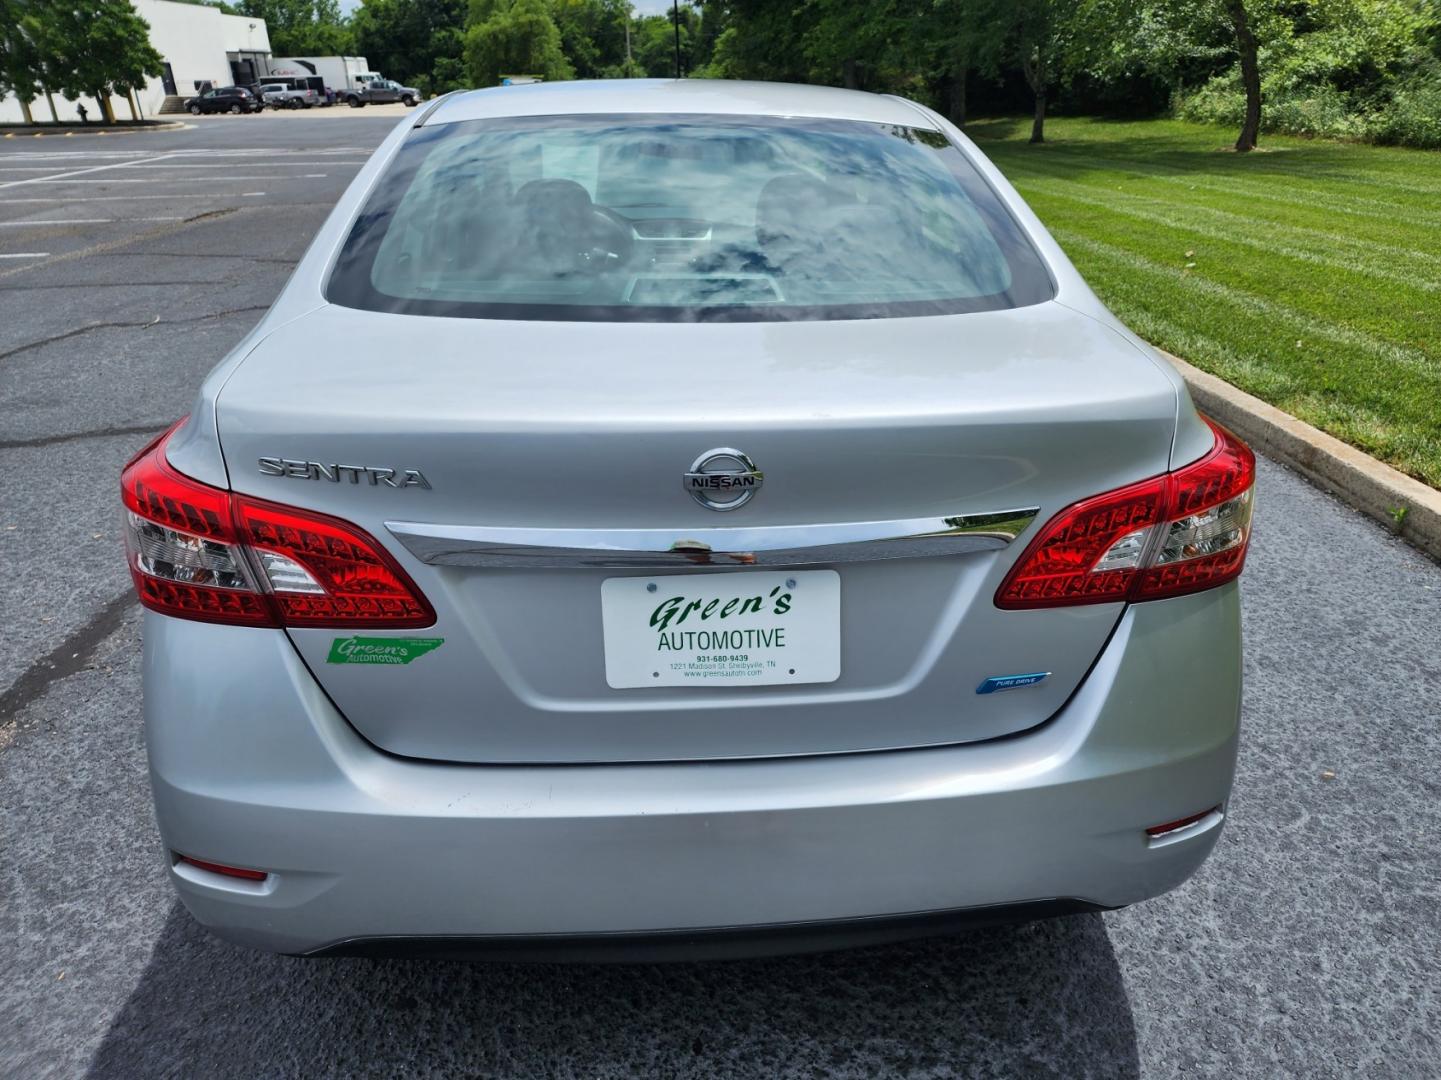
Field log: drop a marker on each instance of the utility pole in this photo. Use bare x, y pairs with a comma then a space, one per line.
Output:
675, 17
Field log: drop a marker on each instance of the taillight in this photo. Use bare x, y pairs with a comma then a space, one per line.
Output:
198, 552
1173, 534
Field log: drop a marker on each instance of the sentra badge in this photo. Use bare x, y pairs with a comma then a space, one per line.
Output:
336, 473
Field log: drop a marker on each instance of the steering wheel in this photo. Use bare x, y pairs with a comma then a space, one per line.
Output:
612, 240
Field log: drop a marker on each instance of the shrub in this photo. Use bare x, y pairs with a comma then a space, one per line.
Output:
1408, 114
1413, 116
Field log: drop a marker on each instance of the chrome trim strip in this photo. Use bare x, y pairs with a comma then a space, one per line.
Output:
777, 545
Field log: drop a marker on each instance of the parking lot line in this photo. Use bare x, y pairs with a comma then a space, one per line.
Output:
127, 198
80, 172
25, 255
79, 221
174, 179
248, 163
177, 165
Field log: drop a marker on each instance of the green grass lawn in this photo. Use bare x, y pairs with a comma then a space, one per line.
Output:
1308, 274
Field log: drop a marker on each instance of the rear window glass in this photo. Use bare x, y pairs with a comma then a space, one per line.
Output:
664, 218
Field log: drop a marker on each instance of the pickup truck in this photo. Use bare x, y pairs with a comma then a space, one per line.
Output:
380, 91
282, 96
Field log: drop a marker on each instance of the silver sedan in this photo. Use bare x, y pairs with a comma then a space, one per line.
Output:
684, 518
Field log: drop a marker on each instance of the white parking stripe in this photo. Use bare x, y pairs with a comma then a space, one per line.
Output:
78, 172
130, 198
79, 221
61, 157
156, 180
177, 165
72, 155
26, 255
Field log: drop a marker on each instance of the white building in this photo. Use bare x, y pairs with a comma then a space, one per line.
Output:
199, 44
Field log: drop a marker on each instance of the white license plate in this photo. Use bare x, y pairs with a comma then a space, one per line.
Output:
740, 629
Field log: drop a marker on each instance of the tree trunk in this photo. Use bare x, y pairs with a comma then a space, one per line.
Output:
134, 109
958, 96
1034, 68
50, 100
105, 106
1250, 75
848, 73
1038, 122
25, 109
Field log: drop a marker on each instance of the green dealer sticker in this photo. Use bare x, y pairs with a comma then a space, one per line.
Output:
380, 650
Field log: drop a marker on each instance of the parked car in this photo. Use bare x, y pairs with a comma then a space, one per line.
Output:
231, 99
769, 542
285, 96
379, 92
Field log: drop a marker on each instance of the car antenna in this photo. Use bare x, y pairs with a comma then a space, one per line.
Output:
675, 18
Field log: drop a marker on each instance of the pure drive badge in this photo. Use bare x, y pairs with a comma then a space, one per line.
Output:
374, 475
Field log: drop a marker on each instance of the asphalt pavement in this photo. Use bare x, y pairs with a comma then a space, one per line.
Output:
1308, 945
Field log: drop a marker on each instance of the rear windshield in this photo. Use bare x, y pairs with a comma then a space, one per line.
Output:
666, 218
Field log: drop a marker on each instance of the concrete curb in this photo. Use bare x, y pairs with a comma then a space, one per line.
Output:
46, 131
1357, 479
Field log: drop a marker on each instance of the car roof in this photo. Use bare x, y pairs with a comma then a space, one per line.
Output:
719, 96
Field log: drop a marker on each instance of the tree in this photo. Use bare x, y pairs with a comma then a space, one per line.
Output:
20, 62
873, 45
513, 37
761, 39
1162, 35
99, 48
954, 37
653, 45
1030, 35
302, 27
419, 42
594, 35
1250, 74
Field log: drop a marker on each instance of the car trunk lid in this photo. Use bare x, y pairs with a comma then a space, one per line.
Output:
559, 435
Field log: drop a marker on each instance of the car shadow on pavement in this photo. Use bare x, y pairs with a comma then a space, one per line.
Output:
1043, 998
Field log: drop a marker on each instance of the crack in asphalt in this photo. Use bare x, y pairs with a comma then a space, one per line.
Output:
120, 325
77, 436
124, 241
70, 656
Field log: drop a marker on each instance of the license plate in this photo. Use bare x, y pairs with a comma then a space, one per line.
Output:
741, 629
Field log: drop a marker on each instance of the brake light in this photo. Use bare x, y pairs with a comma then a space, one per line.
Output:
1179, 533
198, 552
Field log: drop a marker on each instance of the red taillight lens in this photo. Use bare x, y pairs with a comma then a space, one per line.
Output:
181, 543
325, 572
1173, 534
1208, 522
198, 552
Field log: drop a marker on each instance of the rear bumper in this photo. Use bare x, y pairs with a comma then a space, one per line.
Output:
251, 766
723, 943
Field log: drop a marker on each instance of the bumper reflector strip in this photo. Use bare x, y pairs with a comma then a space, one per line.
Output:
227, 871
1181, 823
